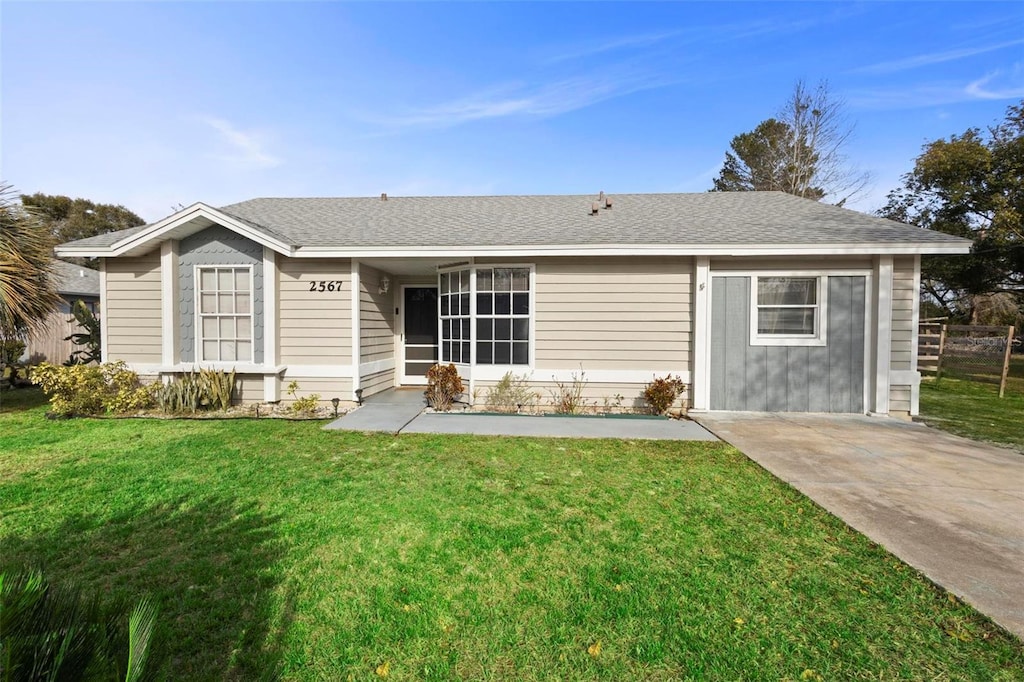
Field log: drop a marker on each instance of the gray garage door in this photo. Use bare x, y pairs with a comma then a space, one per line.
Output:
787, 378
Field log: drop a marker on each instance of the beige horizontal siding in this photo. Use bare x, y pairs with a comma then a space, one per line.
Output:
376, 317
131, 306
903, 296
315, 328
613, 313
377, 382
899, 400
598, 396
326, 387
248, 388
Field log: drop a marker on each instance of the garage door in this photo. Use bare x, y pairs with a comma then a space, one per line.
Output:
780, 378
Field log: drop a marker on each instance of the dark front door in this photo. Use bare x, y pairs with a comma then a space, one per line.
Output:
419, 333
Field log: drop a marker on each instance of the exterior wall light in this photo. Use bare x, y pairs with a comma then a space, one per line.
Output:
384, 285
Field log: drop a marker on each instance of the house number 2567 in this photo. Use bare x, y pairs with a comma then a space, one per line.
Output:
325, 285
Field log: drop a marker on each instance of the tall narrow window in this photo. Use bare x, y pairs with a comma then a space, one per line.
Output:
503, 316
225, 314
454, 298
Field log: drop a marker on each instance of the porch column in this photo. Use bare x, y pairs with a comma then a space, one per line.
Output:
356, 312
170, 344
701, 370
883, 332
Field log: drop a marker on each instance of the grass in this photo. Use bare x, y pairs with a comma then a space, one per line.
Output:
974, 410
278, 549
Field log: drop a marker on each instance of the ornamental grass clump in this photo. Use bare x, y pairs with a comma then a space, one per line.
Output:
198, 391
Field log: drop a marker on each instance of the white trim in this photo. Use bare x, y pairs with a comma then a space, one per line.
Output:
701, 392
915, 391
531, 358
883, 342
376, 366
318, 372
197, 315
356, 316
271, 392
454, 253
171, 223
170, 328
820, 335
104, 326
472, 328
591, 376
243, 368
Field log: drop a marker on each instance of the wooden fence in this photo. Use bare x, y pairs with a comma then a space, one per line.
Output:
48, 344
975, 352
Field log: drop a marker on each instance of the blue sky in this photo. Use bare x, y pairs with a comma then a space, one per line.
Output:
155, 104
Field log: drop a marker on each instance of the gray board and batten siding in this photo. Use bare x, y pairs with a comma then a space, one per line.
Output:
826, 378
217, 246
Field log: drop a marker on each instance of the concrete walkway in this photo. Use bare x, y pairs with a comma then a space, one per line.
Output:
401, 411
950, 507
389, 411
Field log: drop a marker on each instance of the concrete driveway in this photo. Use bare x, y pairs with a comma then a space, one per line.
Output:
950, 507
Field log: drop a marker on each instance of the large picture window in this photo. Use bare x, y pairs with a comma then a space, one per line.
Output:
453, 294
225, 314
503, 316
787, 310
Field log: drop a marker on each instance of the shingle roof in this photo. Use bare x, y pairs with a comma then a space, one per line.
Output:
710, 218
75, 279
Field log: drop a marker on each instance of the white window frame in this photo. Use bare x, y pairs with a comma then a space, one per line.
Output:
493, 371
820, 335
198, 315
531, 316
469, 270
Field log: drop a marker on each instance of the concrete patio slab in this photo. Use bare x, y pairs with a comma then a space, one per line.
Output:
948, 506
558, 427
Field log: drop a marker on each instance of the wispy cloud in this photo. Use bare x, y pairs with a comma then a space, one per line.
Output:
608, 45
920, 60
997, 85
246, 149
539, 101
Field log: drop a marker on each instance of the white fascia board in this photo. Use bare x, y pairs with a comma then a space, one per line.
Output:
162, 227
861, 249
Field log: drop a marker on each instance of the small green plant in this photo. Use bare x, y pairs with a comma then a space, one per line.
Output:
567, 397
305, 405
612, 404
64, 633
662, 393
195, 391
510, 394
11, 351
89, 337
444, 385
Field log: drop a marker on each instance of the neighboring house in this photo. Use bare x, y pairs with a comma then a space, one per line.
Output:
74, 283
760, 301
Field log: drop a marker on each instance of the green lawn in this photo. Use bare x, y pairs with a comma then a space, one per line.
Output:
274, 547
974, 410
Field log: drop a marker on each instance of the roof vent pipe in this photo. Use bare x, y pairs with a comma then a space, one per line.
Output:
383, 196
600, 195
608, 202
594, 208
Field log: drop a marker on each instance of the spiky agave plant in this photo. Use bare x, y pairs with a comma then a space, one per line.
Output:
49, 632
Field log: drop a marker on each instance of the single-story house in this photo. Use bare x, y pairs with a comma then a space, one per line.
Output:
49, 341
759, 301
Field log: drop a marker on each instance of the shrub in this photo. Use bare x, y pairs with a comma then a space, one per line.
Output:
65, 633
510, 394
305, 405
195, 391
661, 393
567, 397
91, 389
444, 385
73, 390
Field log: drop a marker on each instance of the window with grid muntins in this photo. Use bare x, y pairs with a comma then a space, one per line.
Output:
225, 315
453, 296
503, 316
